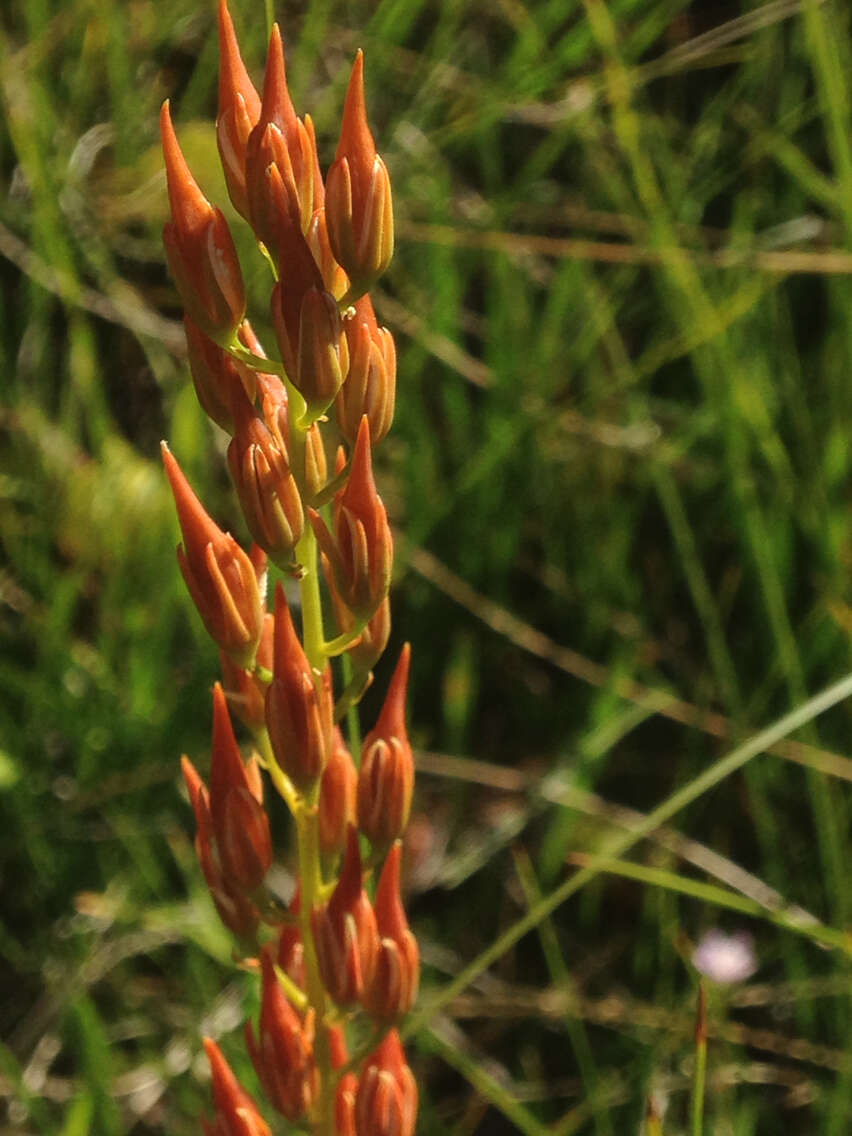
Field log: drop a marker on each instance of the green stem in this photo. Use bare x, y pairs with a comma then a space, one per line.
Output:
700, 1079
344, 641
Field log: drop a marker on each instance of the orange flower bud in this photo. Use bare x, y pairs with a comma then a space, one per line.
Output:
284, 1054
236, 1112
246, 690
236, 911
386, 779
347, 1086
386, 1104
199, 248
291, 949
279, 139
345, 932
293, 713
216, 375
358, 195
265, 486
361, 553
311, 477
239, 110
240, 823
337, 796
307, 325
394, 987
220, 576
370, 386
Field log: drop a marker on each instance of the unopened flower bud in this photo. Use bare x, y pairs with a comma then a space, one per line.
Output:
293, 714
220, 576
347, 1086
358, 204
313, 474
386, 1104
216, 375
236, 1111
265, 486
337, 799
235, 910
361, 551
345, 932
394, 987
370, 386
386, 778
240, 823
291, 949
246, 690
279, 139
284, 1053
239, 110
200, 249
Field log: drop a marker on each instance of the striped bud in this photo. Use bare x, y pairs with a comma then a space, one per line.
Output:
246, 690
239, 110
393, 990
386, 778
386, 1104
221, 578
358, 204
337, 801
370, 386
283, 1055
200, 249
236, 911
291, 949
361, 551
240, 823
265, 486
236, 1112
216, 375
313, 475
347, 1086
345, 932
293, 714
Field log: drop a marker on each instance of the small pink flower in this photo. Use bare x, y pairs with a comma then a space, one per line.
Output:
725, 958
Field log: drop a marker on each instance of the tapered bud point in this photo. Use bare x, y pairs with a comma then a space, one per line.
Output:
345, 932
276, 105
293, 712
338, 794
394, 987
386, 1104
356, 142
191, 211
199, 248
220, 576
236, 1112
386, 778
194, 785
284, 1054
233, 76
360, 492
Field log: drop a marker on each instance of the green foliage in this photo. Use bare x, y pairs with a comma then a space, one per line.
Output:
621, 470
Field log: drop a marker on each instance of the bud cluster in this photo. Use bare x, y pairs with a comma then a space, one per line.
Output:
344, 943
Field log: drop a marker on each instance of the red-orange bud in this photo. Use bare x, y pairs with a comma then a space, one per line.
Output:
221, 578
293, 712
236, 1112
284, 1053
236, 911
394, 987
314, 474
240, 823
361, 552
337, 796
358, 204
265, 486
246, 690
239, 110
386, 779
347, 1086
199, 248
278, 139
216, 375
345, 932
291, 949
370, 386
386, 1104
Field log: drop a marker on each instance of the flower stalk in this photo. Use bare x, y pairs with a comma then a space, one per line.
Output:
330, 953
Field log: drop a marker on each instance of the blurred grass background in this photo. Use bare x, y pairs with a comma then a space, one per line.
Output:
621, 467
